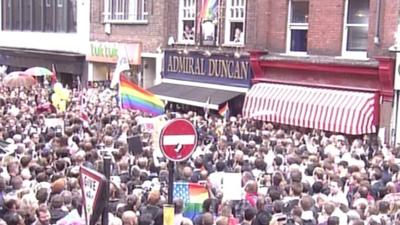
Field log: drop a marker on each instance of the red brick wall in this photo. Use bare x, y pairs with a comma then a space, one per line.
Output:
388, 26
151, 35
277, 25
266, 24
325, 27
255, 28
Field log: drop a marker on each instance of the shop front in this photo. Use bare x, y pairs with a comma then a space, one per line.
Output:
70, 67
204, 81
336, 95
103, 56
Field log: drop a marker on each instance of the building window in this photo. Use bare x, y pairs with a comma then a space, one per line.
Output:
125, 11
60, 3
39, 15
187, 18
355, 40
235, 21
297, 26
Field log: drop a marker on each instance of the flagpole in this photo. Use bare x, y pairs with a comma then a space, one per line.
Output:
119, 94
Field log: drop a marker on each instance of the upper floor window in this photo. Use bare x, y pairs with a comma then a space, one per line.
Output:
125, 11
39, 15
297, 26
355, 39
187, 18
235, 21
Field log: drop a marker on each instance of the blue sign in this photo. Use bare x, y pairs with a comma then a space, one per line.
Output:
215, 69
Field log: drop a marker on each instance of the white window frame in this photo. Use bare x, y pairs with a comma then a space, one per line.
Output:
189, 9
132, 12
294, 26
229, 20
345, 52
60, 3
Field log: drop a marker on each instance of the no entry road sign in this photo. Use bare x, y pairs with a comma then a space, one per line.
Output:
178, 139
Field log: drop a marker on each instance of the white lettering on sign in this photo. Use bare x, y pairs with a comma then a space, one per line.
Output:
90, 187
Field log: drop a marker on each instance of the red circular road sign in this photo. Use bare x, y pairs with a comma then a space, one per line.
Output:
178, 139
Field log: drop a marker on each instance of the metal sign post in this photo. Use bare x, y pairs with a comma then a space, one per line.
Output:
178, 140
107, 172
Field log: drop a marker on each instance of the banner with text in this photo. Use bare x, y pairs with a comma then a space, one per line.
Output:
216, 69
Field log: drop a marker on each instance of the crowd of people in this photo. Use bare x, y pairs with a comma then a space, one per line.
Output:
289, 175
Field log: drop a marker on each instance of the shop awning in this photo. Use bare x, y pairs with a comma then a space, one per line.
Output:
191, 95
348, 112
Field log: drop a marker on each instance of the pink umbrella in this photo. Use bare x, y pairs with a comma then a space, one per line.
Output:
18, 79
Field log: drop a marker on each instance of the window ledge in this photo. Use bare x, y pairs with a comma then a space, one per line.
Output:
185, 43
233, 45
123, 22
358, 55
300, 54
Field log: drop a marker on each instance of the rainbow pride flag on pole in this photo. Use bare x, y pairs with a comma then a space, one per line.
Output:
224, 110
134, 97
193, 195
209, 10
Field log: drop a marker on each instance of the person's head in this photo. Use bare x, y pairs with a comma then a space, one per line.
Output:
67, 196
187, 27
43, 214
220, 166
16, 182
251, 187
384, 207
129, 218
260, 204
207, 219
15, 219
131, 201
329, 208
57, 201
153, 198
307, 202
187, 173
198, 163
334, 186
41, 195
250, 214
333, 220
222, 220
178, 205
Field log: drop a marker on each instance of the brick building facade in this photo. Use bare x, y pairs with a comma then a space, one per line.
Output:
137, 29
343, 50
340, 45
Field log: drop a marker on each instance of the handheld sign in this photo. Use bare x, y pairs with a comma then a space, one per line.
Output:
178, 139
94, 199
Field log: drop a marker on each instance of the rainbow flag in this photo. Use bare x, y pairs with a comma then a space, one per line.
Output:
224, 110
209, 10
193, 195
135, 97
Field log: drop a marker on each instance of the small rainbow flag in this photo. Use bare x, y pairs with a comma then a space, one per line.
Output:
209, 10
224, 110
135, 97
193, 195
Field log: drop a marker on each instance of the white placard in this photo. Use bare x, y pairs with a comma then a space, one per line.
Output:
54, 122
232, 186
397, 72
90, 188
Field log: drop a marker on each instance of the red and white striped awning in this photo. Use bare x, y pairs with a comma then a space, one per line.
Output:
348, 112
